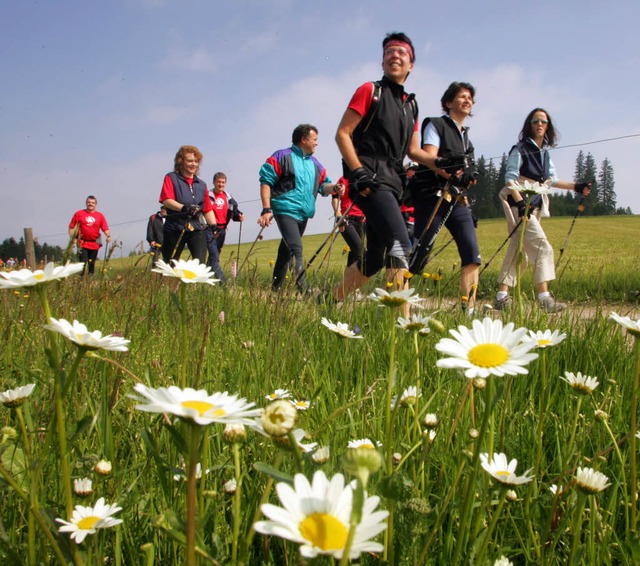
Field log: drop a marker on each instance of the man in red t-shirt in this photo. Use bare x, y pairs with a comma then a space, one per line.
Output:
85, 227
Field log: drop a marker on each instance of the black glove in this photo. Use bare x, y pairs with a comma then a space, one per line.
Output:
580, 187
214, 230
190, 210
464, 180
452, 163
360, 179
522, 207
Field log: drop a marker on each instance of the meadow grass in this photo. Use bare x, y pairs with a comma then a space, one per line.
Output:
444, 508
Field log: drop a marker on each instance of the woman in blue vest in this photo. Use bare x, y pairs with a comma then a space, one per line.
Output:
189, 208
529, 160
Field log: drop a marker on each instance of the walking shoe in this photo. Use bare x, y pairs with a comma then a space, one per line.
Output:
502, 304
549, 304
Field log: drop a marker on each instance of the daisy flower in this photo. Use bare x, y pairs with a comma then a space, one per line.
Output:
278, 394
230, 486
340, 328
198, 406
632, 326
395, 298
103, 467
504, 471
547, 338
78, 334
83, 487
28, 278
183, 473
87, 520
431, 420
316, 515
581, 383
555, 489
416, 323
16, 397
278, 419
301, 405
298, 435
321, 455
534, 188
487, 349
188, 271
364, 443
503, 561
409, 397
590, 481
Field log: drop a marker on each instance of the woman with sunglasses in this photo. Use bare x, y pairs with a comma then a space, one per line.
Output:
529, 160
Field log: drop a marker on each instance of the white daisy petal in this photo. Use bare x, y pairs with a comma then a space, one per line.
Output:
188, 271
87, 520
80, 335
198, 406
489, 348
28, 278
503, 471
316, 515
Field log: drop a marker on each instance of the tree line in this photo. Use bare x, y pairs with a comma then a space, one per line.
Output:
16, 249
602, 200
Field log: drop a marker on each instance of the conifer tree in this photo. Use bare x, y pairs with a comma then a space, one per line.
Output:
606, 194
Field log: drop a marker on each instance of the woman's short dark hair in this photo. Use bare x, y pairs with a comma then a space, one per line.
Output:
302, 131
527, 129
452, 91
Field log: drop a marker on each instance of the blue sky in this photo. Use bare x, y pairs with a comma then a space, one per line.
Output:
98, 96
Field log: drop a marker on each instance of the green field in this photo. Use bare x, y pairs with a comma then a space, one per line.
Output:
443, 506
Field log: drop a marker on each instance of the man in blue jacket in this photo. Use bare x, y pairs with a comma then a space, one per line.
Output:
289, 183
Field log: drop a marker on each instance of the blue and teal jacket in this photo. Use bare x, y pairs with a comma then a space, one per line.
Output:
295, 180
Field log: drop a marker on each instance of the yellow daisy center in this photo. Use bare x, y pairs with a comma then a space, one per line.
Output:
504, 473
87, 523
488, 355
38, 276
324, 531
187, 274
544, 342
201, 407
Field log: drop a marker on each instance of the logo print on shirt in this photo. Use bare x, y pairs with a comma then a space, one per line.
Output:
90, 220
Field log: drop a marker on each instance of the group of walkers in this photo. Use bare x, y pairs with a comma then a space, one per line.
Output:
396, 209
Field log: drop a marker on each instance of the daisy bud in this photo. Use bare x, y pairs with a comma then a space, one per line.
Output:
321, 455
512, 495
601, 415
474, 433
279, 418
361, 462
397, 458
479, 383
436, 325
419, 506
234, 433
8, 433
103, 467
230, 486
82, 487
431, 420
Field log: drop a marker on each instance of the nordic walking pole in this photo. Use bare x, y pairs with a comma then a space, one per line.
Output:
502, 245
239, 240
258, 237
333, 231
579, 209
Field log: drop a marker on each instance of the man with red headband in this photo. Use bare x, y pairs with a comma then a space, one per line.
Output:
378, 130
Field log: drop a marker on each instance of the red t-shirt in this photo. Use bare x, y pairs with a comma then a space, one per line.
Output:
169, 192
220, 207
90, 225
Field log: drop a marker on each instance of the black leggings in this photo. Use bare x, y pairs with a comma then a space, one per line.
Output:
388, 241
353, 234
460, 225
88, 257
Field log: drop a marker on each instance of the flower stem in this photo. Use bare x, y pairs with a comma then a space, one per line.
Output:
632, 435
489, 531
470, 487
183, 336
236, 503
194, 453
577, 527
